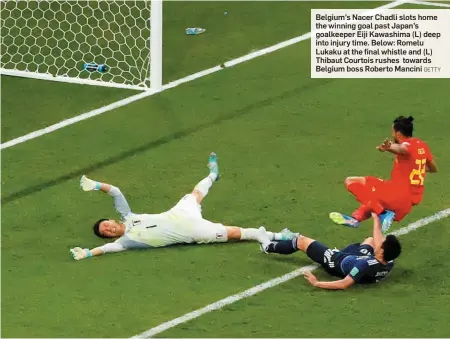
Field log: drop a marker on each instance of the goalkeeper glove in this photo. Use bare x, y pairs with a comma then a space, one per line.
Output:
88, 185
79, 253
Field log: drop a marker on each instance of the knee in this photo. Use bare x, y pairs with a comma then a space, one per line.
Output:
303, 243
300, 243
233, 233
198, 196
351, 180
348, 181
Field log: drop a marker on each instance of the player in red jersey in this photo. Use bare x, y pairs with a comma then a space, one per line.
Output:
392, 199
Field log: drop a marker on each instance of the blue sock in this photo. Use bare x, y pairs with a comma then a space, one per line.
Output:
283, 247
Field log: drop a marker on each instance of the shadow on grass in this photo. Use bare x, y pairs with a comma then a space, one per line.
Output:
162, 141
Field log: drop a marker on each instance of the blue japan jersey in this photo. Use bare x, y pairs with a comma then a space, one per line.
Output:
365, 269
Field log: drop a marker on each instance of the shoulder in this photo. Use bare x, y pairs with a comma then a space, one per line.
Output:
418, 143
414, 145
363, 262
406, 149
407, 142
129, 216
372, 261
419, 146
134, 216
368, 264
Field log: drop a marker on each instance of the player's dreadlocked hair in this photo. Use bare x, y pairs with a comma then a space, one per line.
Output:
391, 247
404, 125
97, 229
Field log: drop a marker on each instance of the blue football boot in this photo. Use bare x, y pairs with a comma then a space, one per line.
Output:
386, 219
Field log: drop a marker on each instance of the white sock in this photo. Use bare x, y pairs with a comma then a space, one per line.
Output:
204, 185
213, 176
274, 236
249, 234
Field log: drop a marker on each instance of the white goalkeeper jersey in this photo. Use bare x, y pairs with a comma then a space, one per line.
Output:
149, 230
156, 230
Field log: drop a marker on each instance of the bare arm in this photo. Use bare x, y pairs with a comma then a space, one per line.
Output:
378, 237
330, 285
389, 146
398, 149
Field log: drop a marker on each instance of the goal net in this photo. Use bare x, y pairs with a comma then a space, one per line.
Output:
115, 43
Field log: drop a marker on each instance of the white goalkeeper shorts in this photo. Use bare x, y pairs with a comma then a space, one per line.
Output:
203, 231
188, 205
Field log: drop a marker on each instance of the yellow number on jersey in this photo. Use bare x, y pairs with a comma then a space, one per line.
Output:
416, 175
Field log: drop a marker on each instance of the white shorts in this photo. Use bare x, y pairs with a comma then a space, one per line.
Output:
204, 231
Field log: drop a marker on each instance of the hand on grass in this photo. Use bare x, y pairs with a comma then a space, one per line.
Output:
311, 278
78, 253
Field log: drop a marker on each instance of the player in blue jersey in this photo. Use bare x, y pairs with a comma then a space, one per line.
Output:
361, 263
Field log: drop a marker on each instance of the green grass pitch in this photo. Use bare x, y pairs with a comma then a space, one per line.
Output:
285, 144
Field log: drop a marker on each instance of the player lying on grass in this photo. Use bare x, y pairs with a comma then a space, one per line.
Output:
361, 263
183, 224
392, 199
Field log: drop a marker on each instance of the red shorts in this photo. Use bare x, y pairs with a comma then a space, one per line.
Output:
391, 196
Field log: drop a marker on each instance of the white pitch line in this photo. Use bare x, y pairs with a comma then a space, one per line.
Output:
201, 74
422, 222
426, 3
272, 283
224, 302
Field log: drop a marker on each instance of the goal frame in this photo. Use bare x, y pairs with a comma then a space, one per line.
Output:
155, 69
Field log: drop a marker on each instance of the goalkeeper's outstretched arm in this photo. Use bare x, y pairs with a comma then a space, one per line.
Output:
79, 253
120, 203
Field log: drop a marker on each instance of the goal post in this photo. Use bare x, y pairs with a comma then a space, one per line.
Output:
113, 43
156, 44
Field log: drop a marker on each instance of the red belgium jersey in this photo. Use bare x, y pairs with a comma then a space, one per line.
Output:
410, 169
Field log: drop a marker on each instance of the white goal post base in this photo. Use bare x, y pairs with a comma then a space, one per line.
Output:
61, 78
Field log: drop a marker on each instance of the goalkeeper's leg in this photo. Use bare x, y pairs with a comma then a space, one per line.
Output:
254, 234
201, 189
210, 232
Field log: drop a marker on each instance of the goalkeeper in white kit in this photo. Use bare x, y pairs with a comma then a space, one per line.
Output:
182, 224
